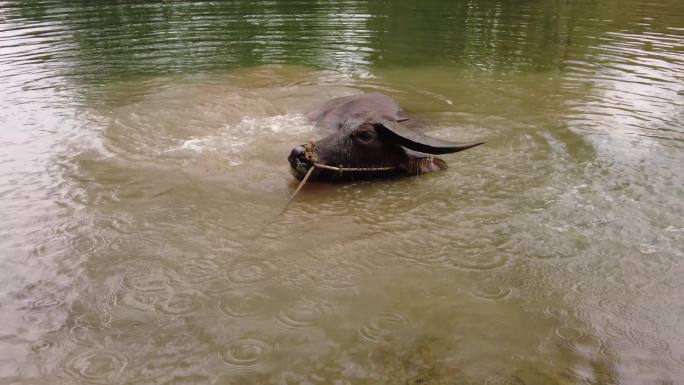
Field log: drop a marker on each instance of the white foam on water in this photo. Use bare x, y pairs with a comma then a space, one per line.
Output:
233, 138
290, 124
194, 144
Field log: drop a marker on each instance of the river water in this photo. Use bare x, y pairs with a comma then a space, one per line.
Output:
143, 155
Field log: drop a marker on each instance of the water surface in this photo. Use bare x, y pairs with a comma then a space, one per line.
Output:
143, 154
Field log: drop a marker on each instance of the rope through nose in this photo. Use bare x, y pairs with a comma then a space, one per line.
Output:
310, 152
310, 155
353, 169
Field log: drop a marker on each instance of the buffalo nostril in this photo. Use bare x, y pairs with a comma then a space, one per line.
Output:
298, 153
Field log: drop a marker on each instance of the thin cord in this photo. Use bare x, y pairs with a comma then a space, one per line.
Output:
306, 177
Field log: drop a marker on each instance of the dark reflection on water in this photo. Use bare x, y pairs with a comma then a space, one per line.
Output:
143, 152
120, 39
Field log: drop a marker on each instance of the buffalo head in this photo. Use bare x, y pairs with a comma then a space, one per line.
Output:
384, 147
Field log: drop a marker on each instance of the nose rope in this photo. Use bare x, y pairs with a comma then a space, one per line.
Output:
310, 152
341, 169
310, 155
301, 184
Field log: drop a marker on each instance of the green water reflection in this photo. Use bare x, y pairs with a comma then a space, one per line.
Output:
119, 39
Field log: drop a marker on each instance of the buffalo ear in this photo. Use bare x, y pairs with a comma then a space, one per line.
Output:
418, 142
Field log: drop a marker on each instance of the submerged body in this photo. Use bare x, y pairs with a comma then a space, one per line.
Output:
369, 138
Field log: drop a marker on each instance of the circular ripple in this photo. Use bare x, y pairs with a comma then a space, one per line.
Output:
555, 312
98, 366
608, 352
245, 305
520, 283
198, 270
246, 352
384, 327
43, 345
301, 314
646, 340
45, 303
87, 244
568, 333
140, 300
490, 291
88, 330
300, 278
178, 305
249, 271
146, 280
85, 336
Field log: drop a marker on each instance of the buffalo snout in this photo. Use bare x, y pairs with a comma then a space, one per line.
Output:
299, 163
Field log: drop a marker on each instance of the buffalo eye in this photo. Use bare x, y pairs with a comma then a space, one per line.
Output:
364, 135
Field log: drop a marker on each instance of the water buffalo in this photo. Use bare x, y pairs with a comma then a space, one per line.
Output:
369, 138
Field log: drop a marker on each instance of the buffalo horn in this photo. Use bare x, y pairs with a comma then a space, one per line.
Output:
422, 143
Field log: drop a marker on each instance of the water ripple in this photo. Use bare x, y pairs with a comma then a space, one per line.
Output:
384, 327
490, 290
182, 304
250, 271
142, 301
439, 251
89, 243
569, 333
246, 353
246, 305
88, 329
136, 109
198, 270
145, 278
302, 314
43, 345
98, 366
46, 303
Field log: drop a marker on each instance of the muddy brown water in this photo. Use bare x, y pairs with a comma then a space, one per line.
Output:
143, 156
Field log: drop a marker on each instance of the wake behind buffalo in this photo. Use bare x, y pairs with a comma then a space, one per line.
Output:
369, 138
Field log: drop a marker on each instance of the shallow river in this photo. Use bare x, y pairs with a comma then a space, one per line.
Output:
142, 161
